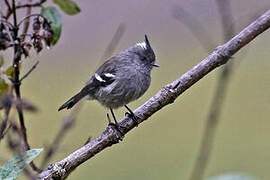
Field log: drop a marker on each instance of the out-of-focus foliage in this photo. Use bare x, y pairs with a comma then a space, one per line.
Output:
68, 6
3, 88
53, 16
13, 167
1, 61
233, 176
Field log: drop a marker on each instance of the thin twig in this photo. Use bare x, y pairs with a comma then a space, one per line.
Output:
27, 5
30, 71
8, 6
27, 22
29, 16
165, 96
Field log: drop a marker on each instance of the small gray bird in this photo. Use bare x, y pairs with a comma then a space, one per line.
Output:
120, 80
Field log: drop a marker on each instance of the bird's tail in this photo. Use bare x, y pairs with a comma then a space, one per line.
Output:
72, 101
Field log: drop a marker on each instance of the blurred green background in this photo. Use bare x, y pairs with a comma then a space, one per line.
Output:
166, 145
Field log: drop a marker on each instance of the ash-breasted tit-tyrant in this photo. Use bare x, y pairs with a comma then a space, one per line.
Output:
121, 79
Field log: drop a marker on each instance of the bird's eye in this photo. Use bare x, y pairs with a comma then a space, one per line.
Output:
143, 58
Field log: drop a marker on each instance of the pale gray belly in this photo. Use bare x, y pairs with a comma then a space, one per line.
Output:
121, 93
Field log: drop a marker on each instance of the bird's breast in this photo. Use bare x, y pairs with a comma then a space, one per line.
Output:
124, 89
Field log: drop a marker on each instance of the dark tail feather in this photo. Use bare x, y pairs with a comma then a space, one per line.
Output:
72, 101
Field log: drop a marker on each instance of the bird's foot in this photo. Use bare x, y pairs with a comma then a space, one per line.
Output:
115, 125
132, 116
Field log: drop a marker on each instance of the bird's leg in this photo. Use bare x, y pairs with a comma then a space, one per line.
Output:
114, 117
131, 115
116, 125
109, 119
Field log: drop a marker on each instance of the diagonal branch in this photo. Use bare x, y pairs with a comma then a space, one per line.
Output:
165, 96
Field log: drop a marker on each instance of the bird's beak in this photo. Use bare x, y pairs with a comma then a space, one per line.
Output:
155, 64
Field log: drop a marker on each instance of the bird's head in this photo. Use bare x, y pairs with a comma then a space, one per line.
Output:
146, 53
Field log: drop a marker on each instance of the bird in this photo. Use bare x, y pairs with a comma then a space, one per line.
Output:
122, 79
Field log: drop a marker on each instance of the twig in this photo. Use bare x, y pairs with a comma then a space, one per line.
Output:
16, 84
30, 71
8, 6
29, 16
219, 97
165, 96
27, 22
26, 5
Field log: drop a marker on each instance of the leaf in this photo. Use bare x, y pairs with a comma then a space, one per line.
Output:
1, 60
11, 169
3, 88
68, 6
10, 71
54, 17
232, 176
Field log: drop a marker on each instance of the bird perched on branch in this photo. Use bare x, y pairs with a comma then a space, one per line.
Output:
120, 80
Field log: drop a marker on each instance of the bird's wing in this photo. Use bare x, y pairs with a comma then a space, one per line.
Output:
105, 75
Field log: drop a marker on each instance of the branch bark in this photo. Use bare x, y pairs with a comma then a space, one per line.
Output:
165, 96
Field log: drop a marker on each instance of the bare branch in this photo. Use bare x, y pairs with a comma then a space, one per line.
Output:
165, 96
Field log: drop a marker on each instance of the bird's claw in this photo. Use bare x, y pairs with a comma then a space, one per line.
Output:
133, 117
115, 125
